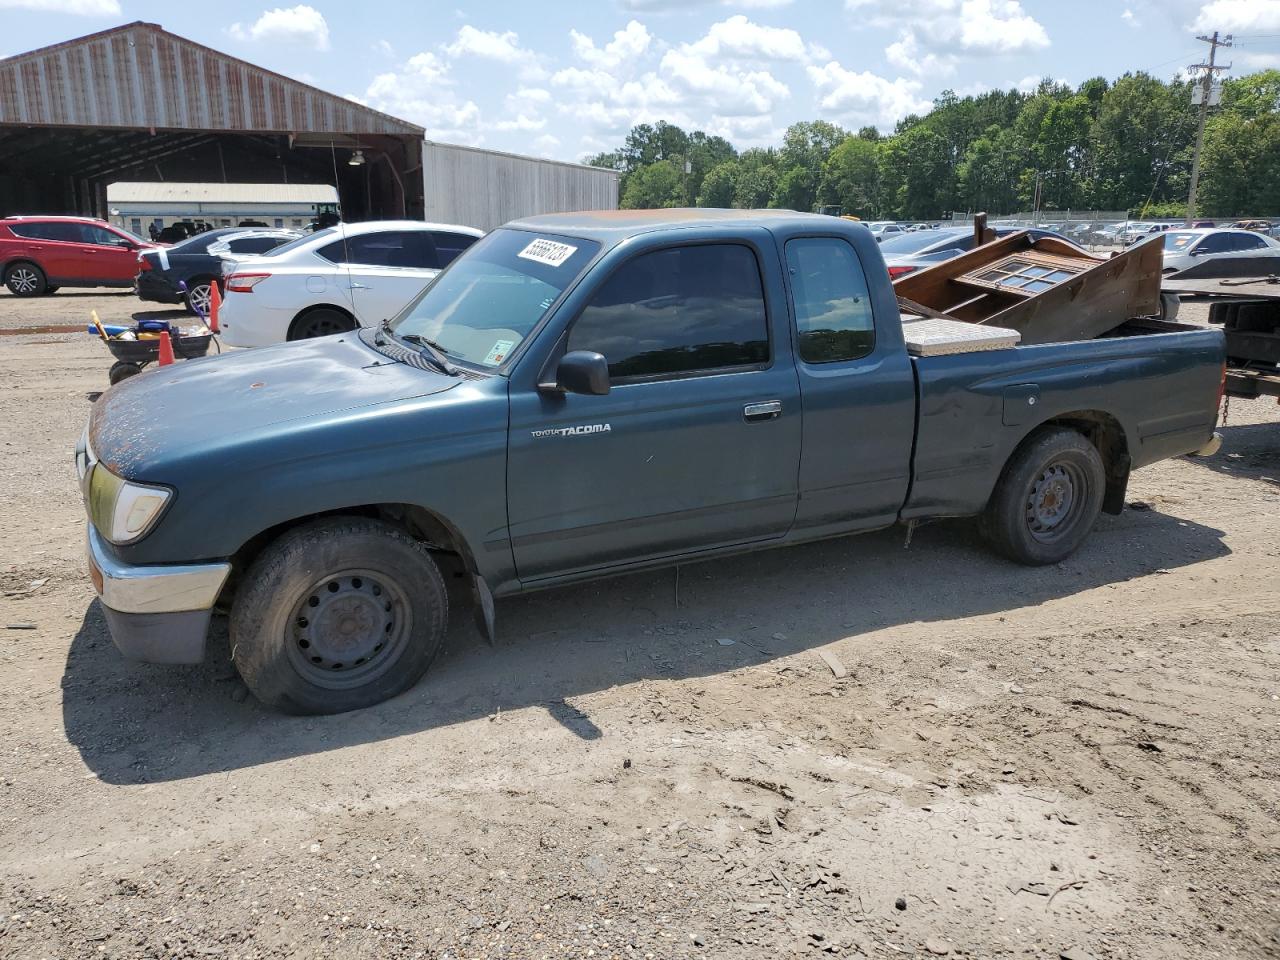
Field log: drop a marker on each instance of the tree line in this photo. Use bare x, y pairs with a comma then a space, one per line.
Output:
1125, 145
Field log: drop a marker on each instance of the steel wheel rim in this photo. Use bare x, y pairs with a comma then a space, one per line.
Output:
348, 629
22, 280
201, 297
322, 328
1055, 500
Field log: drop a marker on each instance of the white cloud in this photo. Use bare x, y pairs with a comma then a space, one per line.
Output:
491, 45
1029, 84
521, 122
905, 54
627, 43
664, 6
934, 34
721, 83
300, 24
1130, 18
546, 144
741, 39
421, 92
1256, 61
83, 8
385, 49
1239, 16
865, 97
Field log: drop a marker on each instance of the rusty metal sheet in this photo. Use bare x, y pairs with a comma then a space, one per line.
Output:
139, 76
1105, 294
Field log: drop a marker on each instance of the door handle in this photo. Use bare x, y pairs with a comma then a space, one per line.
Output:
358, 286
766, 410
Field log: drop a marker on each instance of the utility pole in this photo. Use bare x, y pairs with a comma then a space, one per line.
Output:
1206, 91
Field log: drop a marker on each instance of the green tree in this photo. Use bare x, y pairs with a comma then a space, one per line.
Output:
805, 148
756, 183
1240, 169
705, 152
719, 185
659, 184
1141, 141
851, 177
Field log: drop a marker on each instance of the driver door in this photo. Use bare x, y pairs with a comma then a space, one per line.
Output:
110, 256
697, 444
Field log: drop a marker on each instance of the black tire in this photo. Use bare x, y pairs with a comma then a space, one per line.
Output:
25, 279
1047, 499
321, 322
122, 370
380, 615
197, 297
50, 290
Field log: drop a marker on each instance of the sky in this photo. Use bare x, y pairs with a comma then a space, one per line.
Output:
569, 79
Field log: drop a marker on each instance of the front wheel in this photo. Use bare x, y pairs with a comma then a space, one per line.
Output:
122, 370
1048, 498
336, 615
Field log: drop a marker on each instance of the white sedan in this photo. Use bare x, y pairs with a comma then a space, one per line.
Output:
331, 281
1182, 248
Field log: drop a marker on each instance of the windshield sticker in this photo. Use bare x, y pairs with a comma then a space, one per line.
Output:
549, 252
499, 353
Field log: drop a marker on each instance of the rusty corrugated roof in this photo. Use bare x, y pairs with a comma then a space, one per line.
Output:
140, 76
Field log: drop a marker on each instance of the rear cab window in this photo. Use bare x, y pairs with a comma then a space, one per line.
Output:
678, 312
831, 299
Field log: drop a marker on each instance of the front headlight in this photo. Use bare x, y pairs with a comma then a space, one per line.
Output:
121, 510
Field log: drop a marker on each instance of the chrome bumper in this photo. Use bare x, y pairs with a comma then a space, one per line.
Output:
176, 588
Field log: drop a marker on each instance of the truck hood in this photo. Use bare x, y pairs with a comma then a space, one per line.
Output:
166, 411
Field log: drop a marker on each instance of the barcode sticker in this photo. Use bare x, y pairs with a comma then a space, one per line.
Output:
498, 353
550, 252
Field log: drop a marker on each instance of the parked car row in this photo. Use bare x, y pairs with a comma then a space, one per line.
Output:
1182, 248
906, 253
349, 275
279, 284
185, 272
40, 254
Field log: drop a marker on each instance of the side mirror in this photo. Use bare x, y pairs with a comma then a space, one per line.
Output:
583, 371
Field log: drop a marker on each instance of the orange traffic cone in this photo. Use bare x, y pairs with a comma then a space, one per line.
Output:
215, 301
166, 349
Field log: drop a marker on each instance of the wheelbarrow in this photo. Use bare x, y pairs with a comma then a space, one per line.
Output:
132, 355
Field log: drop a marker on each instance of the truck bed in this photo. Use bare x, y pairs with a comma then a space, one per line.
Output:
1152, 384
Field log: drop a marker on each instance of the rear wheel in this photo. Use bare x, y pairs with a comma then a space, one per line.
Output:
25, 280
1048, 498
321, 322
199, 297
337, 615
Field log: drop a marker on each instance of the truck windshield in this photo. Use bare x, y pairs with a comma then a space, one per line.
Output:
490, 298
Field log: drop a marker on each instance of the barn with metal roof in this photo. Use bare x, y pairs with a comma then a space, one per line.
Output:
137, 103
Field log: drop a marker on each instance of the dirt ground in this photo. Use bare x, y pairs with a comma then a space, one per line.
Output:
1078, 761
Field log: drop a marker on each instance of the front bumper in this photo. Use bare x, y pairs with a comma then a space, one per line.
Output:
158, 613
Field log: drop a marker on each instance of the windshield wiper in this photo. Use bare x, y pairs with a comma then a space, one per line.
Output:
431, 351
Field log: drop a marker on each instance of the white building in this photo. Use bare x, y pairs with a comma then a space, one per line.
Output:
137, 206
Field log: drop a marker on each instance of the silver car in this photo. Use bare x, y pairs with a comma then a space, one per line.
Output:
1182, 248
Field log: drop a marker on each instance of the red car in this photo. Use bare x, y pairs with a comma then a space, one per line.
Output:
40, 254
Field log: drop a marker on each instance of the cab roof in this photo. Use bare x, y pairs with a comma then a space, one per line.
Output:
610, 227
